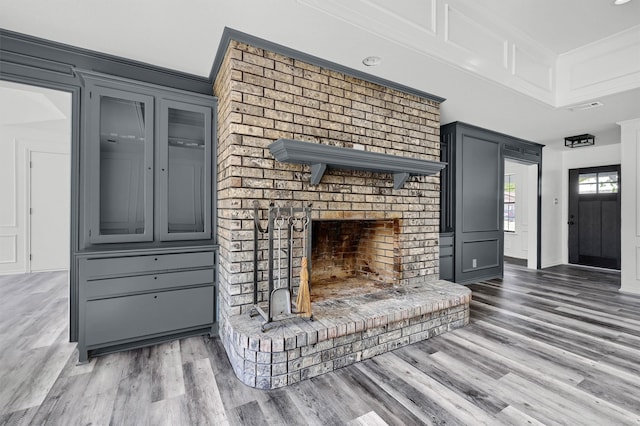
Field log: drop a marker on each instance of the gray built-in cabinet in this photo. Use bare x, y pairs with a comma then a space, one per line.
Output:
147, 258
471, 202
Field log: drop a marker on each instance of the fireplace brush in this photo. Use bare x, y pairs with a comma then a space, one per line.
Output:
303, 301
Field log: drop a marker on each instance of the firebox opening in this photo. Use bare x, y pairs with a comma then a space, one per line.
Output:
353, 257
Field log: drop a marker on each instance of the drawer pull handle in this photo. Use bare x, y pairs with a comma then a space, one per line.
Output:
155, 258
155, 278
155, 297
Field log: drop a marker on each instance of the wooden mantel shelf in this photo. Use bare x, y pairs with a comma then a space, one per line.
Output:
320, 157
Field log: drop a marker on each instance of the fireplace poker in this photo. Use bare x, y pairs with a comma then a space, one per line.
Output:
280, 298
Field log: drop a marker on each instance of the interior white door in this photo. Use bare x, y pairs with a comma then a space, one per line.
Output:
49, 203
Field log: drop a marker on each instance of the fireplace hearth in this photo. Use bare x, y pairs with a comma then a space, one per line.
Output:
346, 330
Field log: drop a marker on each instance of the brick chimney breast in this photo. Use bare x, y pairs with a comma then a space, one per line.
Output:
264, 96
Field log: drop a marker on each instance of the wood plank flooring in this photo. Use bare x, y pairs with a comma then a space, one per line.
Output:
559, 346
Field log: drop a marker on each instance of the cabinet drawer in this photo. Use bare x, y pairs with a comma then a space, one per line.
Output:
119, 318
156, 282
147, 263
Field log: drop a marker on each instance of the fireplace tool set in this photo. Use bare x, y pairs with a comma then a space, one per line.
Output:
283, 226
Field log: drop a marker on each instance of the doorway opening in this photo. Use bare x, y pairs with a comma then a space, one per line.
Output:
35, 178
520, 205
594, 216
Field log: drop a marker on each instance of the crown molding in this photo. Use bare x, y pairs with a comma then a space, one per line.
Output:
24, 52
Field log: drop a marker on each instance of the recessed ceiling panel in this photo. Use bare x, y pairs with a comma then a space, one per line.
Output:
532, 70
488, 48
608, 66
409, 23
420, 13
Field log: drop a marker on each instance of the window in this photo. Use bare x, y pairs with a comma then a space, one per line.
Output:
598, 183
509, 203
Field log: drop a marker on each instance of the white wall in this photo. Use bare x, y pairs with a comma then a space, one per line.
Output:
552, 213
555, 186
29, 122
630, 206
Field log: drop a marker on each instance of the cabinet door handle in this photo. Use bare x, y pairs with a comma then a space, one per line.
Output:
155, 297
155, 278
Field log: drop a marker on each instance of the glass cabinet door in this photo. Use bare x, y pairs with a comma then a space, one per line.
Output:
184, 171
120, 139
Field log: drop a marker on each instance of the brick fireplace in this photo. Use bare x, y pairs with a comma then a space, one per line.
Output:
374, 280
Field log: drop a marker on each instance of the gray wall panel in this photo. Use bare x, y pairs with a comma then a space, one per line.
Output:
480, 185
486, 253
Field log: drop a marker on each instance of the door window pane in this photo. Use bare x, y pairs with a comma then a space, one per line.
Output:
608, 182
122, 144
586, 178
509, 203
510, 217
186, 173
598, 183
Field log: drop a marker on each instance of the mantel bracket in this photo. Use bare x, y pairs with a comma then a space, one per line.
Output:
317, 171
399, 179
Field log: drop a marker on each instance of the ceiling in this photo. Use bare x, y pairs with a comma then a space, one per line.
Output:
185, 35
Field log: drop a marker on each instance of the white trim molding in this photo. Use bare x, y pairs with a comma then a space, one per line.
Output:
630, 206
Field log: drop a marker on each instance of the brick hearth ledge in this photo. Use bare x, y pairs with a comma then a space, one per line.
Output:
344, 331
